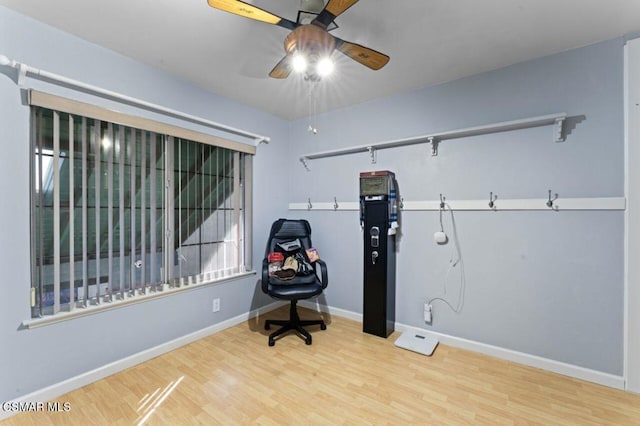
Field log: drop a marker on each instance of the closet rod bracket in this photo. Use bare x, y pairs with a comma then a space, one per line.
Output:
305, 163
434, 145
372, 154
22, 75
558, 128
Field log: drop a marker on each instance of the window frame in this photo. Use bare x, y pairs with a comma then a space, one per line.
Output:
243, 159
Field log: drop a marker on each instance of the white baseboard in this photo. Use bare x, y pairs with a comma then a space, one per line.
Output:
54, 391
565, 369
315, 305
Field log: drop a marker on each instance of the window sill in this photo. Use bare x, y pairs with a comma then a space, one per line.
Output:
105, 306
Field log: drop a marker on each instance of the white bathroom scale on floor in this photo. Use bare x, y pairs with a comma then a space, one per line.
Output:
417, 343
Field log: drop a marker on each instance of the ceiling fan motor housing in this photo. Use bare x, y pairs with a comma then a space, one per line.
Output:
310, 40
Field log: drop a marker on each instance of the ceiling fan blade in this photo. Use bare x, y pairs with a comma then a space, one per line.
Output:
250, 11
333, 9
337, 7
367, 57
282, 68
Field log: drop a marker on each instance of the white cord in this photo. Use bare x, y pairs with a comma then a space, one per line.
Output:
452, 264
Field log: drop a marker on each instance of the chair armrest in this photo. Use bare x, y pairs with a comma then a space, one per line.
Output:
323, 272
265, 275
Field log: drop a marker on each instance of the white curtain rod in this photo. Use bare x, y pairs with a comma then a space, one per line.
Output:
25, 70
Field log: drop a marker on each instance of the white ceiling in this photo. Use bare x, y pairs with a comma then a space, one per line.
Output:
429, 41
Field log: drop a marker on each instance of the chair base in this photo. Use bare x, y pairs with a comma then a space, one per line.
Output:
293, 323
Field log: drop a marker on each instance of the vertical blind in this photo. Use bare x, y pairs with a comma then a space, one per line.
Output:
120, 212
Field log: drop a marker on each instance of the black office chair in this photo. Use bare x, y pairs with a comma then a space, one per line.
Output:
296, 288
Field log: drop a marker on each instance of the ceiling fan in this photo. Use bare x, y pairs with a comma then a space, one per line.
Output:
308, 46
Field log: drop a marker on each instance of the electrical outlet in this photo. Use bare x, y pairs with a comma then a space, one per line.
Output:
216, 304
428, 317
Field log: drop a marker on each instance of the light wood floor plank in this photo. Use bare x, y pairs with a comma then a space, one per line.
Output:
345, 377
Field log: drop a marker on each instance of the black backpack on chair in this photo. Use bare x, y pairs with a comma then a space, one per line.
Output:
293, 238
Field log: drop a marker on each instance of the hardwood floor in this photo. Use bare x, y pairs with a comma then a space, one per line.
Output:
345, 377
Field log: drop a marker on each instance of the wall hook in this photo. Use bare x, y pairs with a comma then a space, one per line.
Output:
492, 200
551, 200
401, 205
309, 205
335, 204
442, 201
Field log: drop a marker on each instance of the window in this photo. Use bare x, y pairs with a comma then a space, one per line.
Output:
207, 211
121, 212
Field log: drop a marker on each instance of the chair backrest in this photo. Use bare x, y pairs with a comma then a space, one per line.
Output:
287, 230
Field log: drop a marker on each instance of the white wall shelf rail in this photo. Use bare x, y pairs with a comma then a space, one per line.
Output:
434, 139
531, 204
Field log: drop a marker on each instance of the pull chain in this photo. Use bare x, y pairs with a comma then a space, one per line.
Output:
313, 108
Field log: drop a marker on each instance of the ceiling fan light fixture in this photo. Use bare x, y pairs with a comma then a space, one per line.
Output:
299, 63
311, 39
325, 66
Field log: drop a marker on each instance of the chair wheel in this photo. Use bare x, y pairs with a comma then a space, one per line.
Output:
308, 340
272, 342
323, 326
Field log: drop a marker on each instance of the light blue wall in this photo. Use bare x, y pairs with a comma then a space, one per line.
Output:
33, 359
544, 283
